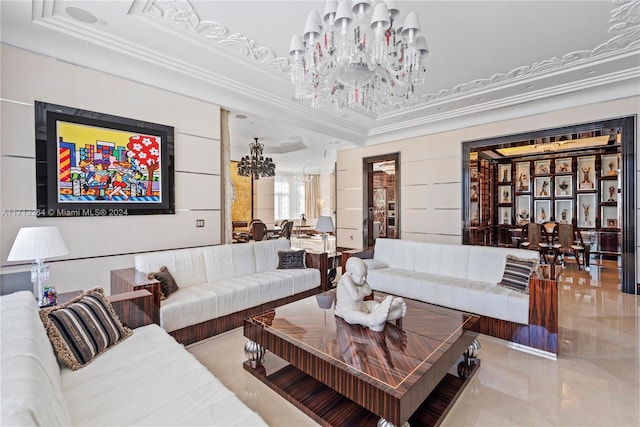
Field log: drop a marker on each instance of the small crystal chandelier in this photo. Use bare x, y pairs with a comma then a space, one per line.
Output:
304, 178
362, 58
255, 164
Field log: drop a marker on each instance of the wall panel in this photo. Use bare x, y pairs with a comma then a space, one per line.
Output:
99, 244
195, 154
431, 168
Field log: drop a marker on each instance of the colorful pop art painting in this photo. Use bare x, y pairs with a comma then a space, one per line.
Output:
109, 165
89, 163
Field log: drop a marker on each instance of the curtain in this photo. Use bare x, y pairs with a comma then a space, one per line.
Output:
227, 186
311, 196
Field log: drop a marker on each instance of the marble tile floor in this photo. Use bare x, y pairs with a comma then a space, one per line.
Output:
594, 382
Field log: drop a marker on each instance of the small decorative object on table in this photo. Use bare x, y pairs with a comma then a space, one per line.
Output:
352, 307
49, 296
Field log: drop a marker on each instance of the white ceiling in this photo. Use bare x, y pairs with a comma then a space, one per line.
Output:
483, 55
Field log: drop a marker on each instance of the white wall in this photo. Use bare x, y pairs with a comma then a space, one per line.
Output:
431, 167
100, 244
264, 199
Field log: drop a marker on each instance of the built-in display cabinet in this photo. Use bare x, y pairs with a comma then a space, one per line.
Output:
546, 183
582, 174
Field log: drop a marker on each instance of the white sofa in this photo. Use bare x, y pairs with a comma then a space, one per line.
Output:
465, 277
148, 379
221, 280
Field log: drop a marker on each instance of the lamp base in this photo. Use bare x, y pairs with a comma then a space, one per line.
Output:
39, 274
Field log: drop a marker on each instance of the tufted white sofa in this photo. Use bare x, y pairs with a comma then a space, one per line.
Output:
148, 379
465, 278
216, 282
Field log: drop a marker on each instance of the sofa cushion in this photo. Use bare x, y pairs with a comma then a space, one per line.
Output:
186, 265
244, 259
29, 372
486, 299
372, 264
517, 272
150, 379
218, 261
291, 259
168, 284
83, 328
487, 263
266, 253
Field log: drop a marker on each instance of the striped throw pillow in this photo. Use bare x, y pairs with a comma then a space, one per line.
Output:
517, 272
83, 328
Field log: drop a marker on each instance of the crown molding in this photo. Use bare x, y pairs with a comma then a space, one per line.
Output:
624, 31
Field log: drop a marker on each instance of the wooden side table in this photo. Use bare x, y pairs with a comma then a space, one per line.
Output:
128, 280
134, 309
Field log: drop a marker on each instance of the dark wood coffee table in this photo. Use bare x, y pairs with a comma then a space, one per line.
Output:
344, 375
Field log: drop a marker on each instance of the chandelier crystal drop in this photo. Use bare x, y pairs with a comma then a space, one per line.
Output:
359, 55
255, 164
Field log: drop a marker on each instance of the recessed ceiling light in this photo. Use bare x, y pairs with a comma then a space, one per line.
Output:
241, 116
81, 15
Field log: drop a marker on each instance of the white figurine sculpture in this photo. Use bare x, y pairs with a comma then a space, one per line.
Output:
351, 306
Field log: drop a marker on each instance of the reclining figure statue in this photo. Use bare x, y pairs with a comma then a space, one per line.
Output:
351, 305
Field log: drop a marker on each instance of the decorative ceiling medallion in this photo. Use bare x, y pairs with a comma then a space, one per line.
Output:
624, 31
181, 13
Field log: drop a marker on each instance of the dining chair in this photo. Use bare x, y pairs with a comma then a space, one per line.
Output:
286, 230
536, 238
567, 240
258, 231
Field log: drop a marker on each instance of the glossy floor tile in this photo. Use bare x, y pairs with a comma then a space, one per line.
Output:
594, 381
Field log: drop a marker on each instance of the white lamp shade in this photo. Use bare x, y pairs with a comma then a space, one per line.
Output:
421, 45
380, 16
343, 14
325, 224
411, 23
297, 45
312, 27
37, 243
392, 6
330, 8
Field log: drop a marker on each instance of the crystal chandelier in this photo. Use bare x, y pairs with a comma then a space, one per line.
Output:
358, 56
304, 178
255, 164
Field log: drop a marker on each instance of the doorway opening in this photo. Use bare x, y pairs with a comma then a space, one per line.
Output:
582, 175
381, 198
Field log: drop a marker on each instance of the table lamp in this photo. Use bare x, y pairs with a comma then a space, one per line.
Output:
325, 225
38, 243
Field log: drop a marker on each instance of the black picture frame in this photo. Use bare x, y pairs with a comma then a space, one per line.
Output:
81, 172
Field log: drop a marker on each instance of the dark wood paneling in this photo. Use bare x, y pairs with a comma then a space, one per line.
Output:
209, 328
128, 280
135, 308
320, 262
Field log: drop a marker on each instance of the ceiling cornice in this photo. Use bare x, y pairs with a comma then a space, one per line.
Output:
624, 31
502, 102
182, 14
